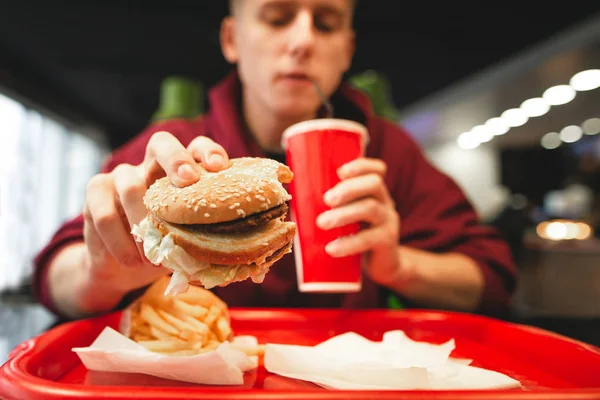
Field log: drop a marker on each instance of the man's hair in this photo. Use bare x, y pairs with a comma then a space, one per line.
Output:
234, 5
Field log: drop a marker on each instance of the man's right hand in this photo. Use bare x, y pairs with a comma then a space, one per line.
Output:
114, 203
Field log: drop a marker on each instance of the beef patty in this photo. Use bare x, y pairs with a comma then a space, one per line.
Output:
243, 224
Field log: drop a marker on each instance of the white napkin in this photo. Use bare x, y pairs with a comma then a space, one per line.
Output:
350, 361
114, 352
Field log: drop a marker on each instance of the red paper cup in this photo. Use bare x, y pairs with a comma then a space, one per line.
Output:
315, 149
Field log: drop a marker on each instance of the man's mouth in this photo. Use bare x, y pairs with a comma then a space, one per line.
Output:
296, 76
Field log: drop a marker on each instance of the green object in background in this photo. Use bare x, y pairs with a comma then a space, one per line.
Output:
180, 97
394, 302
378, 88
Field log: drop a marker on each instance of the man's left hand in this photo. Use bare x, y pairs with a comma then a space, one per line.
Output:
362, 197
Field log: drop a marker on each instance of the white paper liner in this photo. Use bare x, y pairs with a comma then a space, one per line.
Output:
114, 352
350, 361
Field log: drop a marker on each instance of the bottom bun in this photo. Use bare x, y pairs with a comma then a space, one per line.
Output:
237, 273
213, 259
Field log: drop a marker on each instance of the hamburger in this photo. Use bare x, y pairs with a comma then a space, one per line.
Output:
227, 227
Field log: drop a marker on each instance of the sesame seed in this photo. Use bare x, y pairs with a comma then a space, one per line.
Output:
213, 205
248, 199
195, 208
206, 215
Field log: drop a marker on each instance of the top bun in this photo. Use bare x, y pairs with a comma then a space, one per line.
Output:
248, 186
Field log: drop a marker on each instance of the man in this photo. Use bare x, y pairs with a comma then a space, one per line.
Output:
422, 240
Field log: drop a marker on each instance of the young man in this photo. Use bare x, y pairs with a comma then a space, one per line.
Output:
422, 240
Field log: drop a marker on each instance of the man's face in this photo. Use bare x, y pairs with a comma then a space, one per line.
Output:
281, 46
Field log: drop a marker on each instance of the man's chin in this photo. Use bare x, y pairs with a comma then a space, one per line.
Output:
297, 109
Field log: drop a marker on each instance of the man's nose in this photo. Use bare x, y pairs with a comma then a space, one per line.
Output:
302, 35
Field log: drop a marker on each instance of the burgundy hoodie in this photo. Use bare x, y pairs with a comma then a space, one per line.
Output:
435, 215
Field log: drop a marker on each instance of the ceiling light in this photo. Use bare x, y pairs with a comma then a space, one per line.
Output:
551, 140
497, 126
571, 133
591, 126
557, 95
467, 141
535, 107
482, 133
514, 117
586, 80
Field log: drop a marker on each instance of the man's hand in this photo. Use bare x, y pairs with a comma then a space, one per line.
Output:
114, 203
362, 197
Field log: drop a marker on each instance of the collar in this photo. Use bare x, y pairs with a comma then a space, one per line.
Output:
230, 131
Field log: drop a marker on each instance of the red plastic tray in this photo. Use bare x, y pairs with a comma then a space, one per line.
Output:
549, 366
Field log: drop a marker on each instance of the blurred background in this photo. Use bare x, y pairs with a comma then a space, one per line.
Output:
505, 99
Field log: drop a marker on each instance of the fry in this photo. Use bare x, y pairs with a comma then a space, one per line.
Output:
141, 328
138, 337
164, 345
213, 314
190, 309
160, 335
257, 350
199, 327
190, 336
213, 344
149, 315
176, 322
212, 337
204, 350
223, 329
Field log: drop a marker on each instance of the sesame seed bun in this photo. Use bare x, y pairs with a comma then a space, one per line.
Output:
248, 186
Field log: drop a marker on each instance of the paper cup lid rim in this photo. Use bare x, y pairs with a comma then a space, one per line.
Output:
307, 126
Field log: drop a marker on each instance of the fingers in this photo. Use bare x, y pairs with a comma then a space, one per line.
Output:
212, 155
166, 155
362, 166
366, 210
370, 185
130, 189
363, 241
102, 211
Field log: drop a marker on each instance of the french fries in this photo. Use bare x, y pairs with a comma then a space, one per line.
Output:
191, 323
